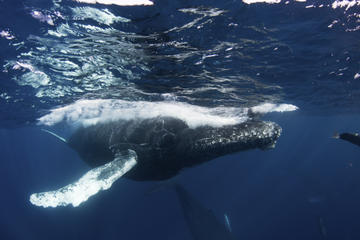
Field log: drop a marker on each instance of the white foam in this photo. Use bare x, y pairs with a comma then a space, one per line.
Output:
4, 96
268, 1
79, 56
34, 77
103, 16
42, 17
261, 1
6, 34
271, 107
89, 112
23, 65
119, 2
345, 4
95, 180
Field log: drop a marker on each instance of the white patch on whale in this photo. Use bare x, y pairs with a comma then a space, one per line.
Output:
90, 112
271, 107
103, 16
95, 180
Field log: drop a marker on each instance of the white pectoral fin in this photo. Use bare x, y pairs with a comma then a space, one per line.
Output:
94, 181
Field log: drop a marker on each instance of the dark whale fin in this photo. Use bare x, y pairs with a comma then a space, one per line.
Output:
94, 181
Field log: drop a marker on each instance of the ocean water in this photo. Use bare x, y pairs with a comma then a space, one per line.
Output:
66, 64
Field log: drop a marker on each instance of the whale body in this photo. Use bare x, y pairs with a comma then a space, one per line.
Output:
166, 145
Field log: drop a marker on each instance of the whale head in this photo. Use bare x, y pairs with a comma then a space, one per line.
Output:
205, 143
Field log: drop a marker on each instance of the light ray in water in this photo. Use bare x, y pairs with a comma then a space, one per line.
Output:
322, 227
95, 180
55, 135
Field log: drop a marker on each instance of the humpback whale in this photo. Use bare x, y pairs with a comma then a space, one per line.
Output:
166, 145
150, 149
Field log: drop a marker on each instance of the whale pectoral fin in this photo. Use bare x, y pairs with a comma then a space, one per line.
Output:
95, 180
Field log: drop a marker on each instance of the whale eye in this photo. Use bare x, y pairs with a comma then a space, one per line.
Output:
167, 140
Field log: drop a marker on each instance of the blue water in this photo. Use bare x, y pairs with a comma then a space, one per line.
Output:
205, 53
